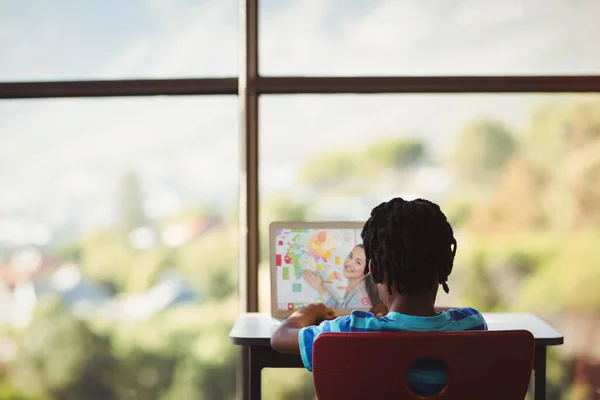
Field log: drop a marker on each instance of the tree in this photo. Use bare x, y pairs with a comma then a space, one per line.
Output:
105, 258
546, 211
569, 277
61, 358
176, 355
584, 163
70, 253
355, 170
281, 207
326, 170
563, 140
480, 289
397, 153
519, 180
131, 203
146, 267
482, 148
210, 263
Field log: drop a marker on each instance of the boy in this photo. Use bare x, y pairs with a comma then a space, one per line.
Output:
410, 250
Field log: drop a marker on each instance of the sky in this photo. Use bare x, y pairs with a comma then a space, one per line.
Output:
45, 143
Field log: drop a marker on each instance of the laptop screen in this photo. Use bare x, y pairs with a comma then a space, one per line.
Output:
313, 265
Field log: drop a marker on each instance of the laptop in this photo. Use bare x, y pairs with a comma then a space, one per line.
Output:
314, 262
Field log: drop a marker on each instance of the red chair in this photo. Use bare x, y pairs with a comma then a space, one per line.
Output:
480, 365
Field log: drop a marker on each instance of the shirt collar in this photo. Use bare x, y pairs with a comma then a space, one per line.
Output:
436, 321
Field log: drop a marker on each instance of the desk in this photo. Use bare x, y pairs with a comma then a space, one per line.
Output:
253, 332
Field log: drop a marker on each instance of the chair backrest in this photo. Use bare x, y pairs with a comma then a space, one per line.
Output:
480, 365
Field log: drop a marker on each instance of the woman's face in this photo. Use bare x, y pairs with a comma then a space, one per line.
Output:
354, 265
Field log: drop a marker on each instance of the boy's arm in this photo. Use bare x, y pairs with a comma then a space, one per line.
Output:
285, 338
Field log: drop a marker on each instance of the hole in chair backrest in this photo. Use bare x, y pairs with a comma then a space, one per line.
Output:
427, 376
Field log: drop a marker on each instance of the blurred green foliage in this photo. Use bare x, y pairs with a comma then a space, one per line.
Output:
182, 352
482, 148
531, 244
352, 171
397, 153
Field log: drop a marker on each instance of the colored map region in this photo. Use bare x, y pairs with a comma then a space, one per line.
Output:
320, 245
317, 247
294, 254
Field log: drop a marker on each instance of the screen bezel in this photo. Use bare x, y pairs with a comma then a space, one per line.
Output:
273, 227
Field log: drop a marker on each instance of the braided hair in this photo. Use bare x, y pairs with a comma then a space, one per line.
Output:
370, 286
409, 244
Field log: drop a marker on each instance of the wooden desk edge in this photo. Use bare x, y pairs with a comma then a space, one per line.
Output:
255, 341
555, 341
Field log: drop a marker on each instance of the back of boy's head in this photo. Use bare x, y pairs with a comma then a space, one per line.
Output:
409, 244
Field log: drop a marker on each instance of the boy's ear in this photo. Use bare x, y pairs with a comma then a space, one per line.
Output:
373, 273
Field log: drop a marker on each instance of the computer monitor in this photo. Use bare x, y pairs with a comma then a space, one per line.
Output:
314, 262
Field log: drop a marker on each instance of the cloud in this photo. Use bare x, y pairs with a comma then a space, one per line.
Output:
113, 39
434, 37
192, 40
183, 38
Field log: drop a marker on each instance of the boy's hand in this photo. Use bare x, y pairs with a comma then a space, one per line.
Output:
314, 314
285, 338
379, 309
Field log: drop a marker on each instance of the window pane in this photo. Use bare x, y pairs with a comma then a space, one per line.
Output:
72, 40
118, 248
517, 175
437, 37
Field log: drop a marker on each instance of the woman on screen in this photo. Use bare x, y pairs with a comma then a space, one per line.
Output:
361, 291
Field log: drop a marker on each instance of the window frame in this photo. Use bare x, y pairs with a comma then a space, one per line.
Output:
249, 85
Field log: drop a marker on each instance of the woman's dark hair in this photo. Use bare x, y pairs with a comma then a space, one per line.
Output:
370, 286
409, 244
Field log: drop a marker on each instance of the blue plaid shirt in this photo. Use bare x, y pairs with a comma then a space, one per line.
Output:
426, 378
